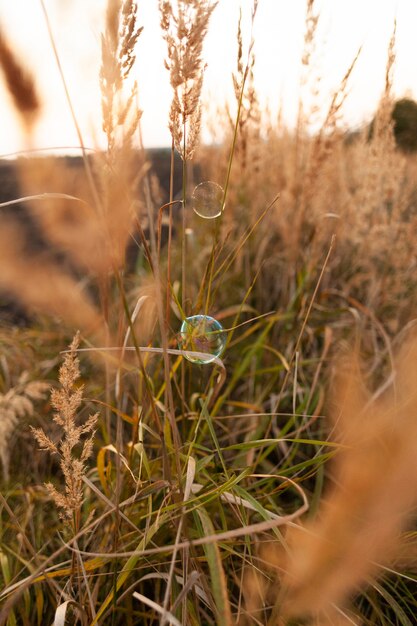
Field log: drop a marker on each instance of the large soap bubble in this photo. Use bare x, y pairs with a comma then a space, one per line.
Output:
207, 200
202, 333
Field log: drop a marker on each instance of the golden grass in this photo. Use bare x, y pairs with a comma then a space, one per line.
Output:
194, 471
185, 25
66, 401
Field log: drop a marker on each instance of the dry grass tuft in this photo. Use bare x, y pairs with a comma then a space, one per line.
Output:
66, 402
185, 27
117, 48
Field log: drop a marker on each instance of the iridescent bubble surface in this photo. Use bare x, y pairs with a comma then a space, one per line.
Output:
207, 200
202, 333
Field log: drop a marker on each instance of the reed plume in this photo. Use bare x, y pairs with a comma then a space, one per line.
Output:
117, 49
66, 402
185, 27
122, 167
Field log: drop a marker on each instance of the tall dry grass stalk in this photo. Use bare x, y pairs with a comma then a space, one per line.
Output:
185, 25
66, 402
122, 167
118, 57
249, 119
368, 504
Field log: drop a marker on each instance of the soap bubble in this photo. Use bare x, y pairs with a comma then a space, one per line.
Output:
201, 333
207, 200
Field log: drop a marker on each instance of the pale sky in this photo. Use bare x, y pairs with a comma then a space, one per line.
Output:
279, 30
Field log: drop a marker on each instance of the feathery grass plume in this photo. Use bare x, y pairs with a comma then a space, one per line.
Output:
328, 135
121, 168
93, 238
117, 49
317, 181
371, 498
20, 84
16, 403
66, 401
185, 27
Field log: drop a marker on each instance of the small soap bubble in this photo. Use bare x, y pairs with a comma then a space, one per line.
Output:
202, 333
207, 200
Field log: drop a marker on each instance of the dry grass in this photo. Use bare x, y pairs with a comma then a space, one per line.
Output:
195, 469
66, 401
185, 25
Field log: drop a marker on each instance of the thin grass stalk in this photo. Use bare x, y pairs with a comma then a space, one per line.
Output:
184, 223
87, 166
103, 285
169, 246
162, 325
86, 583
171, 406
54, 586
144, 376
183, 258
307, 315
225, 265
229, 164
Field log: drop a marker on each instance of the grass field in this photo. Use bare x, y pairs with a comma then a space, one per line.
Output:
221, 430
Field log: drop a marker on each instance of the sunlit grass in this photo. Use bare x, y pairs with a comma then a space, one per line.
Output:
254, 487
